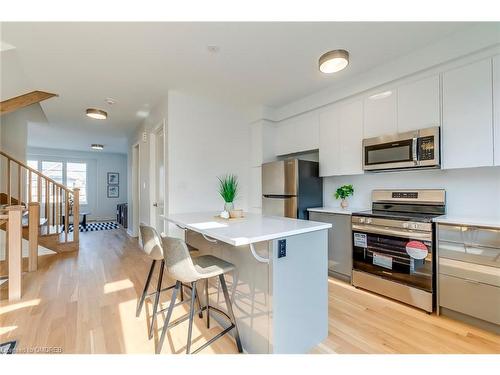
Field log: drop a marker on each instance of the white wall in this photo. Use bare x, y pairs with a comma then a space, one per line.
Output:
14, 138
99, 164
469, 192
206, 139
15, 129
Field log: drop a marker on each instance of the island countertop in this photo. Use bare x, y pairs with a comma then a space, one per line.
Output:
250, 229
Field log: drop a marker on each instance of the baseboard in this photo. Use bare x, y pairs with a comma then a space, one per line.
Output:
483, 324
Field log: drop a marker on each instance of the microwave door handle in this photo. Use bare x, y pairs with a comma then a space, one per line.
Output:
414, 150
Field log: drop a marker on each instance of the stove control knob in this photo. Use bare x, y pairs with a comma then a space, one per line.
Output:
413, 226
368, 221
361, 219
406, 225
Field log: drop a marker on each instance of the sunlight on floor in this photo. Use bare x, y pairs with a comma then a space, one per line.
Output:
9, 308
117, 285
133, 330
4, 330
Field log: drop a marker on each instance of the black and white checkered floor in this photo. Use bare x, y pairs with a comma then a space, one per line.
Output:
93, 227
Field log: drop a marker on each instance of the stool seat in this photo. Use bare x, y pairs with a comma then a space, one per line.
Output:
210, 266
186, 269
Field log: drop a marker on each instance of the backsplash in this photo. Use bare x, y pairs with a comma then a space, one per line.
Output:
471, 191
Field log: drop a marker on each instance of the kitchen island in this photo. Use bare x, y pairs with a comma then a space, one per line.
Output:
280, 286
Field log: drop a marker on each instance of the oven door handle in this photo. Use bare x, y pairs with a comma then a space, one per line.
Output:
426, 236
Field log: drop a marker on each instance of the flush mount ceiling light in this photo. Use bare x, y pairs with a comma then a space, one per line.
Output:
380, 95
333, 61
96, 146
97, 114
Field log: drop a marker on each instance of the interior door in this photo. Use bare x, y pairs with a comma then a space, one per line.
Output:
159, 180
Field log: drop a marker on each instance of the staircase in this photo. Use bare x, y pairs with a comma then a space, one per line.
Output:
47, 204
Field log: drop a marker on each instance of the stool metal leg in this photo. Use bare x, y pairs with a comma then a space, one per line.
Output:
145, 291
200, 314
231, 313
157, 299
191, 316
169, 315
208, 303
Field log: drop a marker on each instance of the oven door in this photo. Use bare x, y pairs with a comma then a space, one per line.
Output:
400, 255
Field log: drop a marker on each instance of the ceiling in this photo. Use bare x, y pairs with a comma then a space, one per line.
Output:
136, 63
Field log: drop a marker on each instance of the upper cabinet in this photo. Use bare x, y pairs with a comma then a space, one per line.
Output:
467, 130
350, 140
298, 134
418, 104
340, 139
496, 107
329, 139
380, 114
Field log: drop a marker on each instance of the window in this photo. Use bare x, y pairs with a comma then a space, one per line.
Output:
53, 170
70, 174
34, 179
76, 177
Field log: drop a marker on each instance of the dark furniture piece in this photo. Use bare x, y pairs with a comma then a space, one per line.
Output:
121, 214
83, 223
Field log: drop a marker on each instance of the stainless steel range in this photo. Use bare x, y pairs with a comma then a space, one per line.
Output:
393, 245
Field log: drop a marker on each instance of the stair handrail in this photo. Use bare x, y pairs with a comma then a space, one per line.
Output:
60, 202
24, 165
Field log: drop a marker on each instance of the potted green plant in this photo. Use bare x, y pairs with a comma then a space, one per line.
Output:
343, 193
228, 190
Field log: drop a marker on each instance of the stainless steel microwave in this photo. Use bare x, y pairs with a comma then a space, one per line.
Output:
415, 149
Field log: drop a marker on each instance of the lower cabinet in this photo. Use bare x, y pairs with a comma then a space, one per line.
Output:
339, 243
470, 297
469, 273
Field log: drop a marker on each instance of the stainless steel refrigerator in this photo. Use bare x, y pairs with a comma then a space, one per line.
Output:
290, 187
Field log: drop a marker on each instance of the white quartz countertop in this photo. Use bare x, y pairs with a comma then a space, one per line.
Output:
250, 229
483, 221
337, 210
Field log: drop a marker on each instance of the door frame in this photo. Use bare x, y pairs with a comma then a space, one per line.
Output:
136, 189
161, 126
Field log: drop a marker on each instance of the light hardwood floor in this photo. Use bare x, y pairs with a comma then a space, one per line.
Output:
85, 303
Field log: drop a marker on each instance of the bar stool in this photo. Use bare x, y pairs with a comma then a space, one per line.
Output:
187, 270
152, 245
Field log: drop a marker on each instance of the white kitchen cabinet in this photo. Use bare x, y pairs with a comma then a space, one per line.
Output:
351, 138
467, 129
496, 107
380, 114
418, 104
298, 134
340, 139
329, 150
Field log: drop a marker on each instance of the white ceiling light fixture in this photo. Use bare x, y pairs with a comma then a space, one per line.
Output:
97, 114
213, 49
97, 146
333, 61
380, 95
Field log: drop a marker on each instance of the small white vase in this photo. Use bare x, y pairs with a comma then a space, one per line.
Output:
228, 206
344, 204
